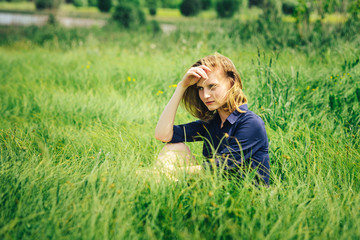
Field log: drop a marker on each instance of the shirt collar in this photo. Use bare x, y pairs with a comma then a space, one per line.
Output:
236, 114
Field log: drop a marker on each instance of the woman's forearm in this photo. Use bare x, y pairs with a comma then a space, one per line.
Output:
164, 127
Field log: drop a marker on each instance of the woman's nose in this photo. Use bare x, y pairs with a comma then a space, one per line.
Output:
206, 93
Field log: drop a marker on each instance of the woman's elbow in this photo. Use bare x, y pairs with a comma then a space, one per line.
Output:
162, 138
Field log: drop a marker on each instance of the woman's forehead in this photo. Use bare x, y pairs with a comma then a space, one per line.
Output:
215, 76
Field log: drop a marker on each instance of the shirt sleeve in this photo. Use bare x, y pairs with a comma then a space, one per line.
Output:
247, 144
189, 132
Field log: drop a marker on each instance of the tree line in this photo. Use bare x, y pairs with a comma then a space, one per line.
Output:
131, 12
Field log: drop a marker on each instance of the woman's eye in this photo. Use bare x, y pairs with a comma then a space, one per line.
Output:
200, 88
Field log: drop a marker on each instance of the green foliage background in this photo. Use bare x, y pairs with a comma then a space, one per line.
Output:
78, 112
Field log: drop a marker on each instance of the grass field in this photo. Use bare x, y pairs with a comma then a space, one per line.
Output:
77, 122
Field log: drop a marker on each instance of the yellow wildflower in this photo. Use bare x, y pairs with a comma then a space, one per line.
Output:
173, 85
211, 194
308, 87
205, 216
129, 78
87, 66
159, 92
112, 185
103, 179
134, 80
286, 157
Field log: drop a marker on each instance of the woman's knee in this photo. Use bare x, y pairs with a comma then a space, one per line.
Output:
178, 147
176, 154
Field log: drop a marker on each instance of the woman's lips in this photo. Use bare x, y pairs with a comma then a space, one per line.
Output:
210, 102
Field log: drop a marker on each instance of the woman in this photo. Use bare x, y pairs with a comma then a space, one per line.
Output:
233, 136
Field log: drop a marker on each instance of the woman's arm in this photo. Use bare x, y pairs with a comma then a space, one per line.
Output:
164, 127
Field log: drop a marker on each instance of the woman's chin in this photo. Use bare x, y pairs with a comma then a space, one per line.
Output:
211, 108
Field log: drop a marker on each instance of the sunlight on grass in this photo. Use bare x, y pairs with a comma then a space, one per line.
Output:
329, 18
168, 12
17, 5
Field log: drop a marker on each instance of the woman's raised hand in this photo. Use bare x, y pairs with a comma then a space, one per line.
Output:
194, 74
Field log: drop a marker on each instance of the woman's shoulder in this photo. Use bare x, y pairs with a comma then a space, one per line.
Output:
249, 119
244, 115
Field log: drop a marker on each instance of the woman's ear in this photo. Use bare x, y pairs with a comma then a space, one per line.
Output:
230, 74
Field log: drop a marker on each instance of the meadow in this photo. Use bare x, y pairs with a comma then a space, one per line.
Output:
78, 111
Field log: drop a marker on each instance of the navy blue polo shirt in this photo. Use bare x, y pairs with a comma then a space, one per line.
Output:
242, 139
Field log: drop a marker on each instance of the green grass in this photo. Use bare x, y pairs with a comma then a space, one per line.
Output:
29, 6
78, 118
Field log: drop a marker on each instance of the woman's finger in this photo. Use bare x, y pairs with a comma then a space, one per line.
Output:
198, 71
196, 75
202, 73
206, 68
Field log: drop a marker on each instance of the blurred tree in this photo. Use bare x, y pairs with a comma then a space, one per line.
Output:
52, 20
80, 3
170, 3
206, 4
257, 3
129, 13
227, 8
93, 3
104, 5
47, 4
289, 7
152, 5
153, 27
190, 7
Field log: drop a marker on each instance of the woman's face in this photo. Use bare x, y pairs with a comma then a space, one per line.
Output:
213, 91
